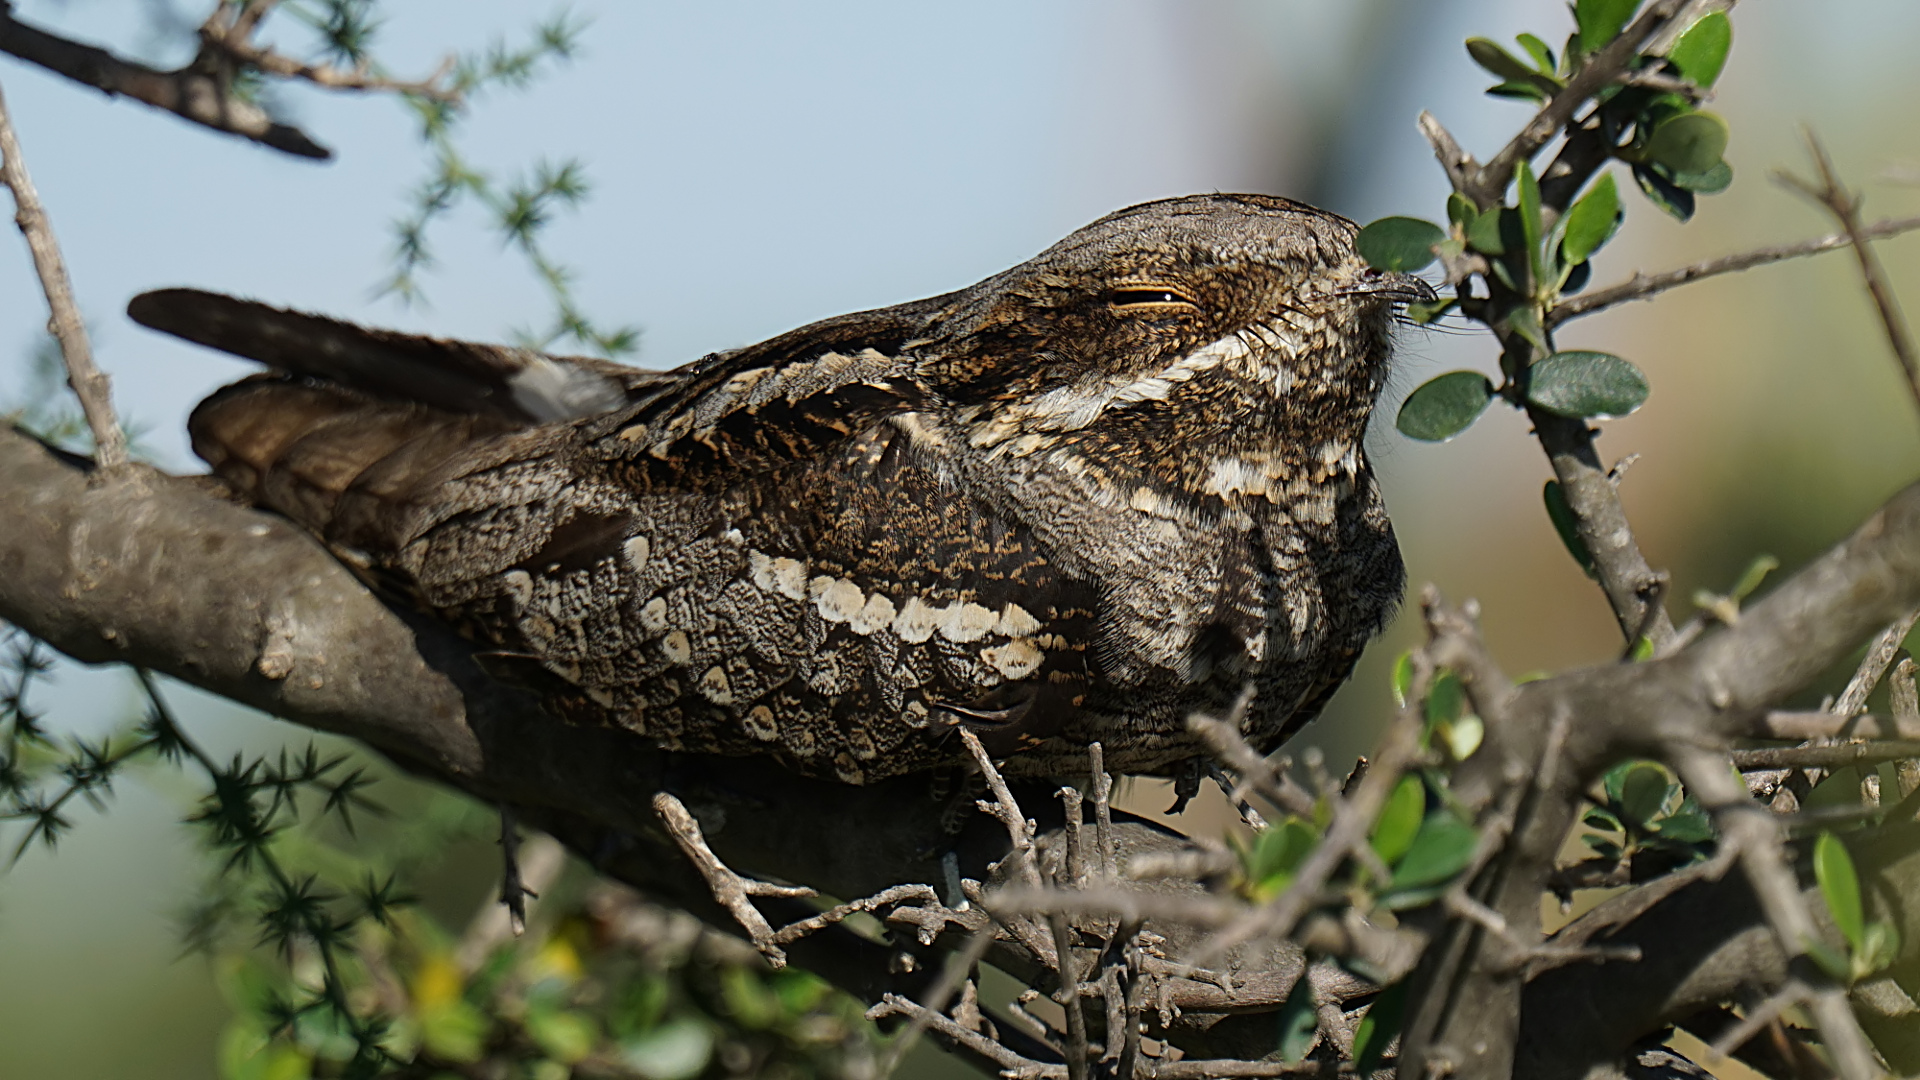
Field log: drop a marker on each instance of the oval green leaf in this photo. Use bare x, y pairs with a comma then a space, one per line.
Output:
1663, 193
1586, 384
1689, 143
1299, 1021
1488, 54
1601, 21
1440, 850
1564, 523
1378, 1027
1399, 244
1592, 221
1443, 406
1710, 182
1399, 820
1701, 52
1643, 793
1839, 887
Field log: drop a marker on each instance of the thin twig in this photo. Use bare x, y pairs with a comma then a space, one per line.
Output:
925, 1018
898, 894
536, 865
89, 383
1906, 716
1826, 758
1103, 812
513, 888
1645, 286
1758, 836
932, 1013
730, 889
1825, 725
1844, 205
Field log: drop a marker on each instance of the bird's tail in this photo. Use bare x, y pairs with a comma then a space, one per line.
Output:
354, 420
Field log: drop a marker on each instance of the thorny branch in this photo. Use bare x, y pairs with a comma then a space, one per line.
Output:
89, 383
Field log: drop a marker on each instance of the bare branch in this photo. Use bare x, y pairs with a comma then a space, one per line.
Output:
729, 888
89, 383
1646, 286
1825, 725
1757, 834
1457, 163
198, 92
1826, 757
238, 48
540, 861
1844, 205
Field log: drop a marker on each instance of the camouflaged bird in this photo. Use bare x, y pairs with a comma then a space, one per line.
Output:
1078, 501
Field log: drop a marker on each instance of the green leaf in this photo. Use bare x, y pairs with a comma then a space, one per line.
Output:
1460, 209
1691, 827
1663, 192
1709, 182
1378, 1028
1402, 680
1509, 68
1423, 312
678, 1050
1399, 244
1643, 793
1688, 143
1299, 1021
1600, 817
1592, 221
1463, 736
1525, 321
1701, 51
1530, 224
1446, 699
1524, 91
1756, 572
1542, 55
1586, 384
1277, 853
1440, 850
1443, 406
1601, 21
1491, 232
1399, 820
564, 1035
1839, 887
1834, 962
1879, 948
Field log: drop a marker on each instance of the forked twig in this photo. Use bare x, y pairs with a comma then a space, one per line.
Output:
730, 889
1844, 205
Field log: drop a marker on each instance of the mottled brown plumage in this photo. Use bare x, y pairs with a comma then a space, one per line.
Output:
1113, 485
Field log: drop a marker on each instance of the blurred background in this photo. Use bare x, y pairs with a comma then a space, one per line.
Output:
759, 166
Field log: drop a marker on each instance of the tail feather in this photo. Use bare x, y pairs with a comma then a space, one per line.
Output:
359, 421
338, 461
457, 376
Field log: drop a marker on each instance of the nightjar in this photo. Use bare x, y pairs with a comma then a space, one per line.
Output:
1080, 500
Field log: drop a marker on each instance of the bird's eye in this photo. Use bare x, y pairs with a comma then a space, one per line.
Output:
1148, 296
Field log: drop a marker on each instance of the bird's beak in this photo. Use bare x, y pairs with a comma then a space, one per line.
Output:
1393, 287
